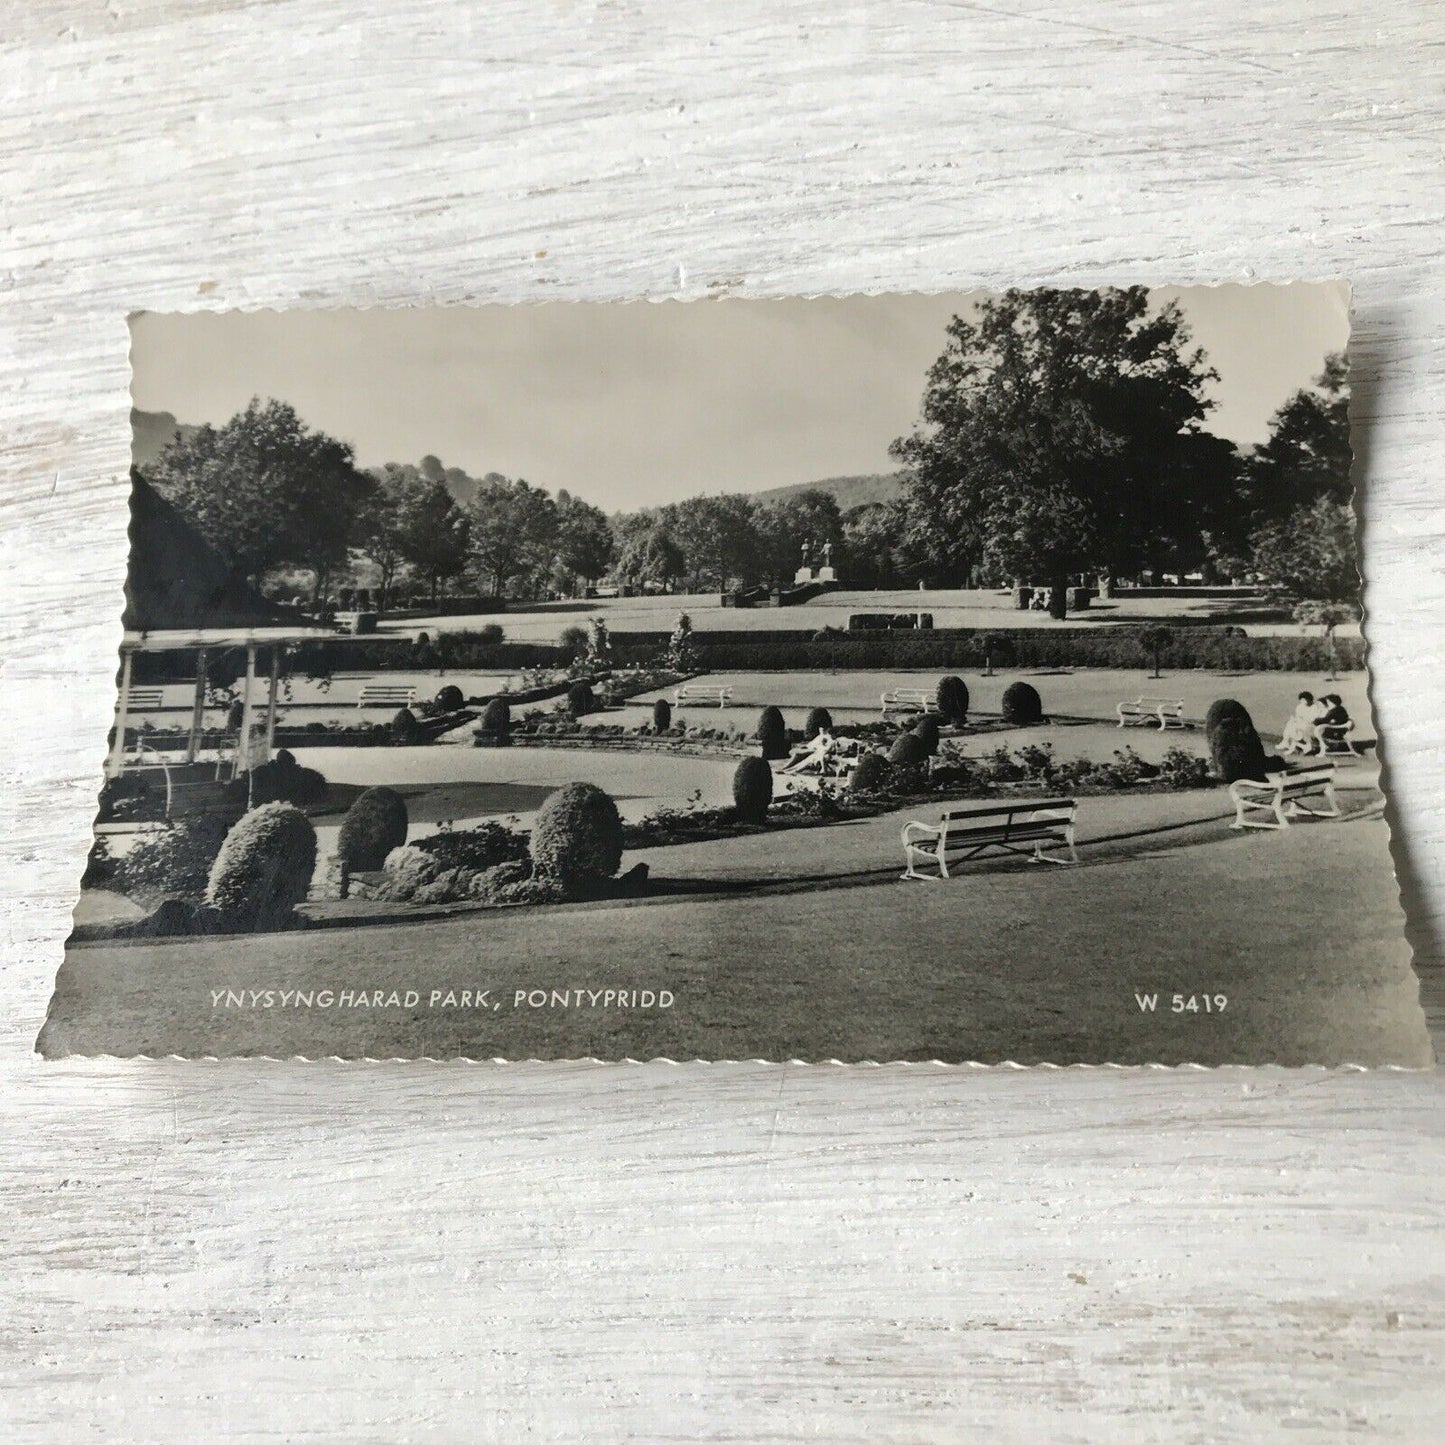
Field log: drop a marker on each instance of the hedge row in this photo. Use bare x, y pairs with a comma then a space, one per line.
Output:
953, 648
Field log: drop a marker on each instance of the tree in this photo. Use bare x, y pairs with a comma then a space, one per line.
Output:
646, 552
1310, 554
382, 524
1308, 453
783, 527
265, 490
513, 530
1057, 428
1154, 640
435, 533
584, 539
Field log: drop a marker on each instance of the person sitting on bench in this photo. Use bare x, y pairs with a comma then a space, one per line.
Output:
1299, 732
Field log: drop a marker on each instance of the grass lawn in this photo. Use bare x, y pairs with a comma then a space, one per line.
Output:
987, 609
1300, 931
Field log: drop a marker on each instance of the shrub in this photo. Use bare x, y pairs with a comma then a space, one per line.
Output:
405, 729
374, 825
1234, 747
661, 715
1224, 707
264, 867
952, 699
574, 642
449, 698
407, 868
1021, 704
772, 734
490, 885
475, 849
871, 774
926, 730
173, 864
819, 720
580, 699
908, 757
1181, 769
491, 635
280, 781
752, 789
451, 885
496, 725
577, 836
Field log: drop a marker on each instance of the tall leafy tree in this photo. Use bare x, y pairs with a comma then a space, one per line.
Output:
265, 490
513, 531
1058, 428
647, 555
783, 527
584, 539
435, 533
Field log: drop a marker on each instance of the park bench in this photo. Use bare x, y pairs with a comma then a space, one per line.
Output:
702, 692
1280, 796
908, 700
1335, 740
1144, 711
385, 694
1024, 827
143, 699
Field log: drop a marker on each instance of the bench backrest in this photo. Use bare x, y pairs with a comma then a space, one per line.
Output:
1160, 702
1306, 780
140, 697
963, 821
387, 692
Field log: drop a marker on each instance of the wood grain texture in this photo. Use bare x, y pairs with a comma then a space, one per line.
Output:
721, 1252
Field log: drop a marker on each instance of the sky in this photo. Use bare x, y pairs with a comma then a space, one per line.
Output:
640, 403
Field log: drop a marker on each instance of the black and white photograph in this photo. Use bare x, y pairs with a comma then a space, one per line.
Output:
971, 677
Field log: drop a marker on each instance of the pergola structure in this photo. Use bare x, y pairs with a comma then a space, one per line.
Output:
254, 702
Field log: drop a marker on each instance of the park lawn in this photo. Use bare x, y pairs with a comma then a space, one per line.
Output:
990, 609
1300, 931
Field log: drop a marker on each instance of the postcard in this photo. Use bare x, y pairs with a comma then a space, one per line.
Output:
957, 678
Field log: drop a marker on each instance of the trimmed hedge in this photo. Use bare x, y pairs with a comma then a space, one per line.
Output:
871, 774
450, 699
1235, 750
908, 751
952, 699
1193, 646
752, 789
581, 700
374, 825
405, 729
1021, 704
819, 720
926, 731
661, 715
264, 867
772, 733
577, 837
495, 728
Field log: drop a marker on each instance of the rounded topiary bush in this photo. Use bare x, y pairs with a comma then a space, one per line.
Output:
1225, 707
449, 698
577, 836
374, 824
871, 774
952, 699
496, 724
264, 867
405, 729
772, 733
908, 751
819, 720
661, 715
752, 789
281, 781
581, 700
926, 729
1235, 750
1021, 704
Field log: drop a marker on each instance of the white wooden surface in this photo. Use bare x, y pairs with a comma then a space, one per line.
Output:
747, 1252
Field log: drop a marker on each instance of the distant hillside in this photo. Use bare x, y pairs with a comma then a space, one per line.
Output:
152, 432
850, 491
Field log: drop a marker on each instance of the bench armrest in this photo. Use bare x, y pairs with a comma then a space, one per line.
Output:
917, 832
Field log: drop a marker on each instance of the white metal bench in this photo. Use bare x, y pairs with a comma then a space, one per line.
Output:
1024, 827
702, 692
908, 700
1334, 739
385, 694
143, 699
1280, 796
1146, 711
